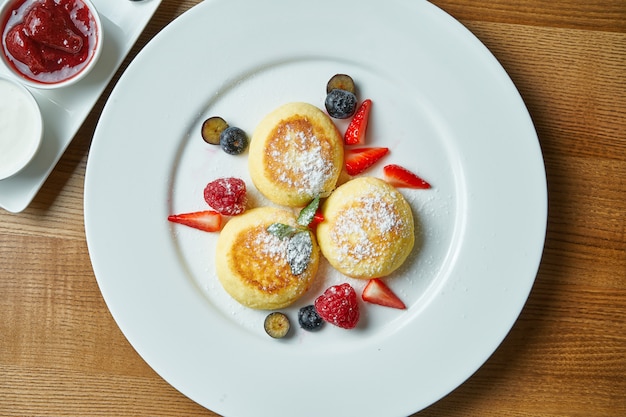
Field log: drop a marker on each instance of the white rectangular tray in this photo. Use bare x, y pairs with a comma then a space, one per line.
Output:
65, 110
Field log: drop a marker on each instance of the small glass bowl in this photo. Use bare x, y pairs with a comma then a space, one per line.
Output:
21, 127
13, 12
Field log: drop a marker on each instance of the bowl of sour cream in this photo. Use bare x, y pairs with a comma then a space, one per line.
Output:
49, 43
21, 127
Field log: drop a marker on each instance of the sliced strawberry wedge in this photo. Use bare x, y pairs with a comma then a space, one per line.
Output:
360, 159
377, 292
207, 220
355, 133
318, 217
401, 177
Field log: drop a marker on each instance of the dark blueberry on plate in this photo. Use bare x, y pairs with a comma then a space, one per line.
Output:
340, 104
212, 129
233, 140
309, 319
341, 82
277, 325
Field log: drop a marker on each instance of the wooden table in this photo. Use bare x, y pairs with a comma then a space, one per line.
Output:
61, 353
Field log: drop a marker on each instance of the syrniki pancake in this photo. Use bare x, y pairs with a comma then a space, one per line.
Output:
368, 228
296, 154
252, 263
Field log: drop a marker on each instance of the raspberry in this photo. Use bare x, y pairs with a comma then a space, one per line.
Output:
338, 305
226, 196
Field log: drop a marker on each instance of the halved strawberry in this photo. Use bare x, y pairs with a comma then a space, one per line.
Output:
207, 220
317, 219
377, 292
401, 177
355, 133
360, 159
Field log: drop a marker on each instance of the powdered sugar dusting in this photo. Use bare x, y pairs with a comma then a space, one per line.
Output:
368, 229
262, 259
270, 246
301, 160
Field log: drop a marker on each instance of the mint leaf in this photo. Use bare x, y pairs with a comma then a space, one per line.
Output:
281, 230
306, 214
299, 250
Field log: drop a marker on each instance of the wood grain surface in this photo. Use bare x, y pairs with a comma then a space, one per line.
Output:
61, 353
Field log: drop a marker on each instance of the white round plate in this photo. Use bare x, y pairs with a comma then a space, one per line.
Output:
445, 108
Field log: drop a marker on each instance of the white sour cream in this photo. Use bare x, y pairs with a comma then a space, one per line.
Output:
21, 128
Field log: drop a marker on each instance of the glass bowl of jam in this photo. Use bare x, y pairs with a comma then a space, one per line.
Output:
50, 43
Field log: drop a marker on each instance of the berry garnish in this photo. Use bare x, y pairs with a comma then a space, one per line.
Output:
341, 82
309, 319
338, 305
212, 129
377, 292
360, 159
207, 220
355, 133
226, 196
233, 140
401, 177
340, 104
277, 325
317, 219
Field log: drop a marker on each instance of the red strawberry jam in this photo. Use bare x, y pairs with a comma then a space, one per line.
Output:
48, 41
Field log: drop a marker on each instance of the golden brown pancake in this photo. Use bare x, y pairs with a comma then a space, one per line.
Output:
296, 154
368, 228
252, 264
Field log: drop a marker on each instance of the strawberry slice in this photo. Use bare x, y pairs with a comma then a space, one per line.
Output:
207, 220
377, 292
355, 133
401, 177
360, 159
318, 218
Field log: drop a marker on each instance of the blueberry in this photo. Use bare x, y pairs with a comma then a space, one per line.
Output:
309, 319
340, 104
342, 82
277, 325
233, 140
212, 129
